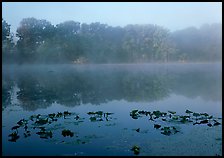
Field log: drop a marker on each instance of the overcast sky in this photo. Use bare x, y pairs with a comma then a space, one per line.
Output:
174, 16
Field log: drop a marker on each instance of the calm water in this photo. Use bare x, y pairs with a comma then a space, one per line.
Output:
119, 89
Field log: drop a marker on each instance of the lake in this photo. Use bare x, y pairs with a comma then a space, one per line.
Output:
108, 108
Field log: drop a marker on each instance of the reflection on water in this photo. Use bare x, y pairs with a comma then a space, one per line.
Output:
117, 89
71, 86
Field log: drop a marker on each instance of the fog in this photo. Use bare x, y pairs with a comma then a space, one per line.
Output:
87, 33
173, 16
112, 79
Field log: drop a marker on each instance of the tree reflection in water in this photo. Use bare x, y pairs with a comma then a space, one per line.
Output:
76, 86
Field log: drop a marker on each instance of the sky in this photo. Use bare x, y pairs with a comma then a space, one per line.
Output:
171, 15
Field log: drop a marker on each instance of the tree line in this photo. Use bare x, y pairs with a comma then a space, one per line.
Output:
72, 42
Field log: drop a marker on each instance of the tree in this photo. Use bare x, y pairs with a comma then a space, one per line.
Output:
32, 33
5, 30
147, 43
7, 43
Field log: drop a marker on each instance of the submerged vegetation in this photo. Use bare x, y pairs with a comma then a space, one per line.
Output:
72, 42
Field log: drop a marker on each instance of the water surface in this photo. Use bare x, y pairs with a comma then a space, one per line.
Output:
119, 89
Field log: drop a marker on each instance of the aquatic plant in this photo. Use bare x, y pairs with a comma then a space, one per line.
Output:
196, 115
157, 113
203, 121
91, 113
59, 114
175, 117
67, 133
41, 121
157, 126
98, 116
209, 124
99, 113
216, 123
77, 117
184, 119
204, 114
136, 149
166, 131
52, 115
67, 113
134, 114
14, 136
142, 112
22, 122
92, 119
15, 128
27, 134
188, 112
172, 112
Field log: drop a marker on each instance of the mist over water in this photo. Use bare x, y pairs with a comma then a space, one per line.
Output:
123, 87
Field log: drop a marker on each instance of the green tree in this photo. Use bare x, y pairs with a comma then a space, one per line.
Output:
7, 43
32, 33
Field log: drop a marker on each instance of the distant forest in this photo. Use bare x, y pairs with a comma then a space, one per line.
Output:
72, 42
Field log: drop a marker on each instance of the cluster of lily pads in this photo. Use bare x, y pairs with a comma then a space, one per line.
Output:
99, 116
37, 121
171, 116
41, 121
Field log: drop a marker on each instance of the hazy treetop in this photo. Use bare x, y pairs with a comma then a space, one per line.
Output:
172, 15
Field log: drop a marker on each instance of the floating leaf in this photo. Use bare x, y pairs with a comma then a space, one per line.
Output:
172, 112
91, 113
210, 117
41, 121
51, 115
175, 118
209, 124
99, 112
157, 126
205, 114
142, 112
15, 127
67, 113
59, 114
188, 111
134, 114
92, 119
216, 124
204, 121
138, 129
157, 113
136, 149
166, 133
196, 114
14, 136
67, 133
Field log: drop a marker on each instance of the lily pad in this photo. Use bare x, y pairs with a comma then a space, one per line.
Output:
196, 114
188, 111
172, 112
14, 136
216, 124
204, 121
136, 149
92, 119
67, 133
209, 124
157, 126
